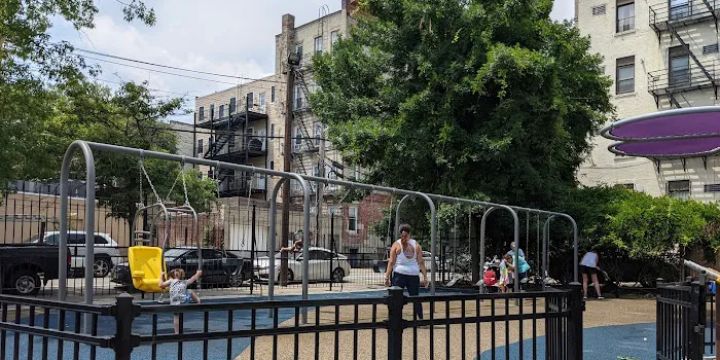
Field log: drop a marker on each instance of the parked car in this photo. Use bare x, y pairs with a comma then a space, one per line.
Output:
106, 251
323, 265
381, 265
24, 268
220, 268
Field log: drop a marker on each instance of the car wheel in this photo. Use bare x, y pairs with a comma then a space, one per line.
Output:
236, 280
338, 275
26, 282
101, 267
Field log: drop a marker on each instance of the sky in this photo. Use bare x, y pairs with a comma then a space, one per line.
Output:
234, 37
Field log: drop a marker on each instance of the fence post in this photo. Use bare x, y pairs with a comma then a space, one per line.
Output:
659, 318
716, 321
125, 312
575, 322
696, 338
395, 301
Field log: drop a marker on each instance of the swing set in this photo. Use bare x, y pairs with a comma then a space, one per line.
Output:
147, 263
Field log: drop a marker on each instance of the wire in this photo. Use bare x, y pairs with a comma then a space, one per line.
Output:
174, 67
159, 71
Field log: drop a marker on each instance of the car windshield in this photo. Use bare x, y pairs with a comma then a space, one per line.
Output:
173, 253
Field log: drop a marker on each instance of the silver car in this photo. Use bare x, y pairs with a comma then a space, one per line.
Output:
323, 265
106, 250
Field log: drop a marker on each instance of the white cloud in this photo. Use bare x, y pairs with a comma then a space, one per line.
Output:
563, 10
229, 37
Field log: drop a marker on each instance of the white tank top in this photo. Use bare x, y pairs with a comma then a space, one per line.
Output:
405, 263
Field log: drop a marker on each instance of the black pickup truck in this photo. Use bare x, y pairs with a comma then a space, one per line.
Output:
22, 267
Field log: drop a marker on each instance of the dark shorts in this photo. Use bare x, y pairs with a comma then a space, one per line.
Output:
588, 270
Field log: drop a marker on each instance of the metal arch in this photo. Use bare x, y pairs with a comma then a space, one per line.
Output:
516, 237
575, 242
89, 220
433, 232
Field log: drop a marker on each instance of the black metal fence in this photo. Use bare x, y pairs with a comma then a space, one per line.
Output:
377, 325
681, 320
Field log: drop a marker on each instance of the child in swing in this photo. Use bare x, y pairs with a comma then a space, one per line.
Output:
179, 292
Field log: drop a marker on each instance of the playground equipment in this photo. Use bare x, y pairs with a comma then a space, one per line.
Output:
87, 150
147, 263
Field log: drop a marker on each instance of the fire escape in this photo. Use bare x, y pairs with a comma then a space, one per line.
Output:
685, 72
232, 142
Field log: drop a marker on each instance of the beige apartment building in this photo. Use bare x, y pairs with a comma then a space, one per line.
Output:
661, 54
245, 124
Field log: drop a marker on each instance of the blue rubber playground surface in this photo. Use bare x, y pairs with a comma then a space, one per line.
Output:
635, 341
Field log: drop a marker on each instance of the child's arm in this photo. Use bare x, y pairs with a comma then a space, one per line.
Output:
195, 277
163, 283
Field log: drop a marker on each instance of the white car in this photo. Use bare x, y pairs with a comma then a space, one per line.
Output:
106, 250
324, 265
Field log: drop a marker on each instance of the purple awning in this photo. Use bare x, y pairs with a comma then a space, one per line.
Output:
687, 122
688, 132
691, 147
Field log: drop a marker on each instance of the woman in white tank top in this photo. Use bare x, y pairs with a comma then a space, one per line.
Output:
405, 264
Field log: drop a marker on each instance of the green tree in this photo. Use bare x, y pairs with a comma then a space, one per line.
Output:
129, 116
30, 64
464, 97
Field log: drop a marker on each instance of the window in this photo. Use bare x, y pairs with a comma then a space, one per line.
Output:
201, 113
352, 219
272, 165
222, 111
710, 49
76, 239
299, 52
629, 186
318, 45
272, 130
679, 61
99, 240
298, 97
261, 100
598, 10
250, 100
712, 187
318, 133
679, 189
53, 239
625, 75
272, 94
298, 138
200, 148
625, 15
212, 111
334, 37
233, 106
679, 9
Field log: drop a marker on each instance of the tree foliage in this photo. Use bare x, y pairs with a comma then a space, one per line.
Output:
30, 65
641, 225
463, 97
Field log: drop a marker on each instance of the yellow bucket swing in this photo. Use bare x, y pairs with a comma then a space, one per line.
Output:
147, 263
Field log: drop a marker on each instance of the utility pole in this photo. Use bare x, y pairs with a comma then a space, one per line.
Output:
292, 62
320, 186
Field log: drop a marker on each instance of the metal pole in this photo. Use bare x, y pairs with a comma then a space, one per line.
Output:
332, 244
89, 221
252, 250
483, 224
516, 239
272, 246
397, 216
306, 243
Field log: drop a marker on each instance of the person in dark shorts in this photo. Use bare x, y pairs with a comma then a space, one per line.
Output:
589, 268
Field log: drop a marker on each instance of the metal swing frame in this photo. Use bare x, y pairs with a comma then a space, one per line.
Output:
87, 148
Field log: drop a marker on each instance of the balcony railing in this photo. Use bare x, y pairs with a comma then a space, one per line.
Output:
668, 81
239, 146
682, 13
242, 183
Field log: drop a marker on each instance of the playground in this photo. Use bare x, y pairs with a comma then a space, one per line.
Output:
543, 319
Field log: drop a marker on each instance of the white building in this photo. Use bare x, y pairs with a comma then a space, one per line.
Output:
661, 55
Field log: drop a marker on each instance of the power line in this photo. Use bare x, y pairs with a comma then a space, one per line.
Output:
174, 67
158, 71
